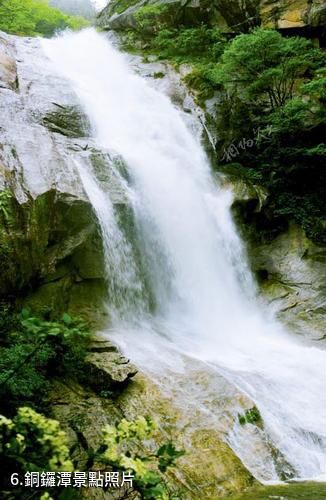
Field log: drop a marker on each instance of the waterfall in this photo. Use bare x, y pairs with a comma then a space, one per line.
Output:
125, 289
206, 308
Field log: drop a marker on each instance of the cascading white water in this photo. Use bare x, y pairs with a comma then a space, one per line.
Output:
205, 298
125, 287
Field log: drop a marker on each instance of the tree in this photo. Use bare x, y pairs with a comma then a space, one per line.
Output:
14, 17
265, 66
35, 17
274, 98
34, 351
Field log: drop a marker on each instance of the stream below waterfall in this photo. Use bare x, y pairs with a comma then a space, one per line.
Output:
208, 318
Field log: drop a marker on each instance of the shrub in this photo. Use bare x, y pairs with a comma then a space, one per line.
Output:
153, 18
33, 442
123, 450
189, 44
37, 350
30, 442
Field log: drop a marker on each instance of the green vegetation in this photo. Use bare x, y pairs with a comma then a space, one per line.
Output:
123, 450
266, 66
201, 47
272, 121
270, 117
151, 19
286, 491
33, 350
189, 44
32, 442
5, 197
251, 416
35, 17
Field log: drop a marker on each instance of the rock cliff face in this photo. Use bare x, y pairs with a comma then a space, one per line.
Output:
290, 269
229, 15
8, 68
283, 14
50, 243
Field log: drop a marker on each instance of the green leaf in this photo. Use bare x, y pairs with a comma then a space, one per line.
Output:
25, 313
67, 319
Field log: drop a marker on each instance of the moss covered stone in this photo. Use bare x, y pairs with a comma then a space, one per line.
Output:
68, 121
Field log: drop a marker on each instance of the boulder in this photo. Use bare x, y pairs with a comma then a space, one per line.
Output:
294, 276
108, 369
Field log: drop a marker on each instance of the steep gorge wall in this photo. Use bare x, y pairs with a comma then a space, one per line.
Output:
229, 15
50, 242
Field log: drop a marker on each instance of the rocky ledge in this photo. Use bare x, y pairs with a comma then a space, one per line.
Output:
230, 16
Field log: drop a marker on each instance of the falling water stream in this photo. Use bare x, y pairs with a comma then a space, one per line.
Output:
206, 309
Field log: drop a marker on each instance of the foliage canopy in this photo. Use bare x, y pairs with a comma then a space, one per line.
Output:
35, 17
32, 350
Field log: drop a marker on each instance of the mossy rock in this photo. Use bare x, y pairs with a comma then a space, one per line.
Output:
209, 468
50, 298
68, 121
87, 299
52, 256
295, 491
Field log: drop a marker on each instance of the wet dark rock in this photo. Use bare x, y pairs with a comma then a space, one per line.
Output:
68, 121
101, 345
109, 370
